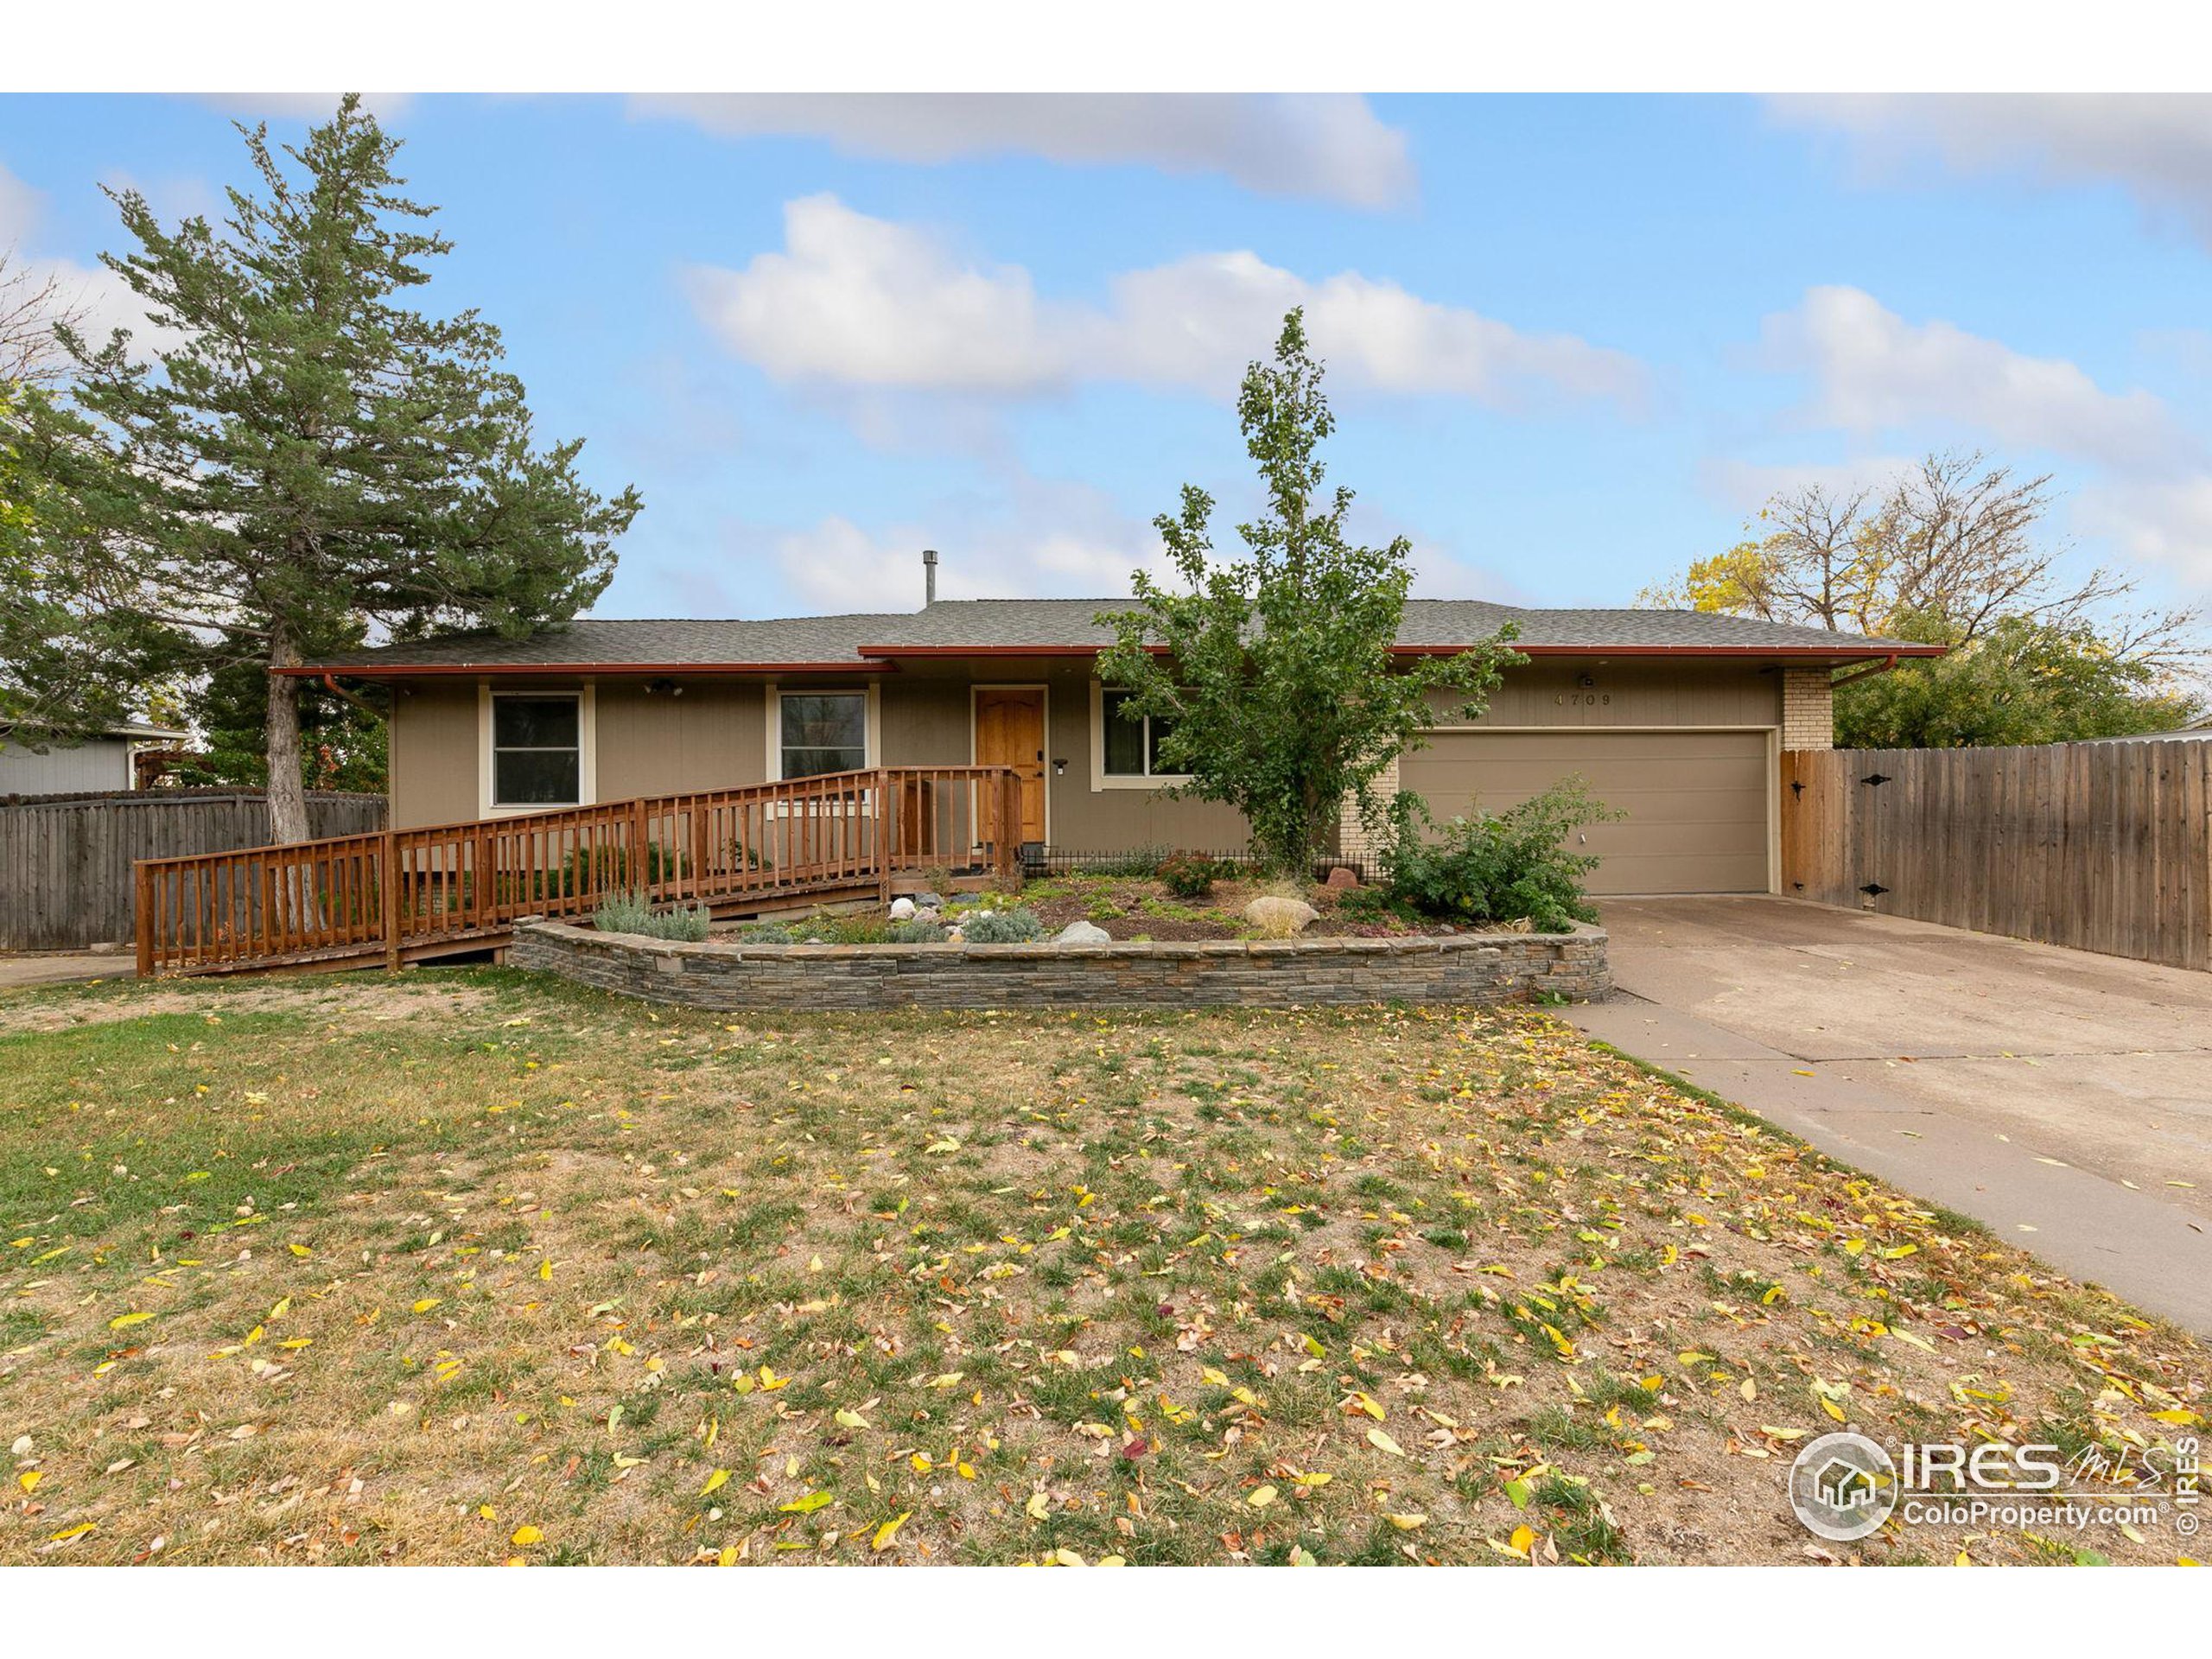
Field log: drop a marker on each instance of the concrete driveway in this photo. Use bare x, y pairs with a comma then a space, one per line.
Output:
2061, 1098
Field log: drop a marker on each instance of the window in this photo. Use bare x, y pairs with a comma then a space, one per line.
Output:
537, 749
1131, 746
822, 731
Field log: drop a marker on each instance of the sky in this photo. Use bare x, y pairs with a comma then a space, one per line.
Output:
1573, 342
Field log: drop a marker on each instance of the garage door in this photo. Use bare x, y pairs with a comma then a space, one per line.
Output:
1696, 801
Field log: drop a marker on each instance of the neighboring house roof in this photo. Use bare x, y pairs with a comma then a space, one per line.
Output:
133, 730
1049, 626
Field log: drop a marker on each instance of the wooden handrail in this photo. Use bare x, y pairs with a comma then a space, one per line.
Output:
398, 895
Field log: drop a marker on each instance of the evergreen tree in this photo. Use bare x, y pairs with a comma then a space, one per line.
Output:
313, 458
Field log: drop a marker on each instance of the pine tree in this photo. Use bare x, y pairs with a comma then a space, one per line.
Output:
312, 457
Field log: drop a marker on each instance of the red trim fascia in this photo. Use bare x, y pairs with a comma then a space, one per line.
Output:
1816, 652
1832, 653
984, 651
671, 671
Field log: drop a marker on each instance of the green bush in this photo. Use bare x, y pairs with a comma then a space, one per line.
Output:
629, 913
1192, 875
915, 932
1504, 866
606, 869
765, 933
1137, 862
1003, 927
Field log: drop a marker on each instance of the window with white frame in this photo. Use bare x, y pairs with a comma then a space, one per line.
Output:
821, 731
536, 748
1129, 745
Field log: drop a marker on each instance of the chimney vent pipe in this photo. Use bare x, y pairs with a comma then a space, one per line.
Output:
929, 575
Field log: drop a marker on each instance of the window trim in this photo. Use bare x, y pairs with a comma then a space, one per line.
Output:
773, 701
1100, 778
586, 696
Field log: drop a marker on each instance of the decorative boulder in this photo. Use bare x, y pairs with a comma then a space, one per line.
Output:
902, 910
1081, 933
1341, 878
1280, 918
928, 901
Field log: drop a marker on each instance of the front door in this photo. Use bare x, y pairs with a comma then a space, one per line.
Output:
1010, 732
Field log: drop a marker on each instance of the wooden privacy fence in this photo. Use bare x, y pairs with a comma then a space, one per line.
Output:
407, 895
65, 860
2100, 846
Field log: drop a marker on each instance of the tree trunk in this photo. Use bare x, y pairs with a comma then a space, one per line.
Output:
288, 800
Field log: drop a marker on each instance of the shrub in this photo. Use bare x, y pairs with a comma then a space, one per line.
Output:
765, 933
1003, 927
606, 869
1137, 862
1374, 905
1501, 867
915, 932
1191, 875
628, 912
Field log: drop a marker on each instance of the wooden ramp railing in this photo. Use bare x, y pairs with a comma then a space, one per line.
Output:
408, 895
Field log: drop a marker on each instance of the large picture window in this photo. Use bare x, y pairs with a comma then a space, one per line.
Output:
822, 731
1131, 744
537, 749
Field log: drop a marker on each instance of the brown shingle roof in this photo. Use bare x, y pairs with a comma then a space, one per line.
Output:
1010, 625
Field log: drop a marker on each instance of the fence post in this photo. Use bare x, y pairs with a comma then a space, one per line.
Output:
640, 865
1009, 820
142, 910
881, 848
388, 900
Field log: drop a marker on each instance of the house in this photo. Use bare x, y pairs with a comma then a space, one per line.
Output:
98, 764
1676, 716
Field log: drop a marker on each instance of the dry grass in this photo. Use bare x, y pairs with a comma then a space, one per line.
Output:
474, 1267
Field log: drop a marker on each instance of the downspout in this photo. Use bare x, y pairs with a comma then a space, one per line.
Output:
330, 685
1868, 672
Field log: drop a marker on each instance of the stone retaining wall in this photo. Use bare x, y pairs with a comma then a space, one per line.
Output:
1460, 968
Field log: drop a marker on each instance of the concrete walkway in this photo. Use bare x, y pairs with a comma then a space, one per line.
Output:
2063, 1099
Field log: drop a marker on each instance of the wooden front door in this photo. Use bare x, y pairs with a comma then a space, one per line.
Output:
1010, 732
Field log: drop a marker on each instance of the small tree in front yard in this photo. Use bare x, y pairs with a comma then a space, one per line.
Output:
1270, 681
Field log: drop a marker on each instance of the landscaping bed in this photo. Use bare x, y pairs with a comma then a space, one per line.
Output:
506, 1269
1133, 908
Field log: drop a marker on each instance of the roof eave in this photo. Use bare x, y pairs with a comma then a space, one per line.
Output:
605, 671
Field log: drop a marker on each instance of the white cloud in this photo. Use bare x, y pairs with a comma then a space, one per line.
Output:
856, 301
1750, 484
2157, 147
1872, 373
98, 300
861, 302
1032, 537
1327, 145
311, 107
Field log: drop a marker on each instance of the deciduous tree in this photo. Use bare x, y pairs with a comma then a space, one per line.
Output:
1274, 671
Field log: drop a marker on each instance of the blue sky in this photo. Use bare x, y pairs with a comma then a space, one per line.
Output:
1574, 340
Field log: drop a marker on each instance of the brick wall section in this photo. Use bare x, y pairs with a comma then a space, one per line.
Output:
1466, 968
1807, 710
1355, 844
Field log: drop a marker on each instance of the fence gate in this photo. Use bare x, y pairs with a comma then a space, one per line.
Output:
2099, 845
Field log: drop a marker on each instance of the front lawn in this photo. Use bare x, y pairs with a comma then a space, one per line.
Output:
465, 1266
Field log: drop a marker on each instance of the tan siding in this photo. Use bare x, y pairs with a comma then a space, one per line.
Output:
924, 722
1549, 692
714, 736
434, 761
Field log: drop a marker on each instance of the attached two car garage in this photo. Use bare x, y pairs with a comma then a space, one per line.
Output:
1699, 803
